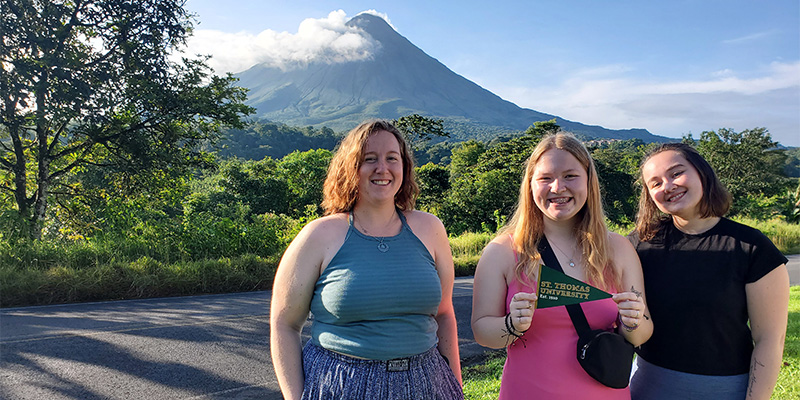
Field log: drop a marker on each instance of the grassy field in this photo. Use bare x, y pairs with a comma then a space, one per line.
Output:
483, 381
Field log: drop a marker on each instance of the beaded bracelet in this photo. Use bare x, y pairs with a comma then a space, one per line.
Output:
512, 331
627, 327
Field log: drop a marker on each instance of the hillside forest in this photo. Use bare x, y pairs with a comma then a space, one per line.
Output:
126, 173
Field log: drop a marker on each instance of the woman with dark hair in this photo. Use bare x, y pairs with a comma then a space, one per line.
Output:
378, 278
559, 207
717, 289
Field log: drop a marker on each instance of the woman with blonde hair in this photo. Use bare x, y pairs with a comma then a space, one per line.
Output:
559, 207
378, 278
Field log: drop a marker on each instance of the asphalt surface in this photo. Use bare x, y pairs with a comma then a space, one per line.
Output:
199, 347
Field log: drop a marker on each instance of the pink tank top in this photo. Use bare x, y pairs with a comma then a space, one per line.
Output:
546, 367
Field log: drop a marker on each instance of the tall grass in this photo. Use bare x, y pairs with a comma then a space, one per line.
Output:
142, 278
209, 258
467, 249
786, 236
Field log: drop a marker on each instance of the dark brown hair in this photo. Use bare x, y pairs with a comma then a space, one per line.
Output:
716, 200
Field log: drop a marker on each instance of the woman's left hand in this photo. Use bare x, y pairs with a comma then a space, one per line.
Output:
631, 309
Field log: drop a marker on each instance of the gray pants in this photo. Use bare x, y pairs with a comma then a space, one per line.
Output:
651, 382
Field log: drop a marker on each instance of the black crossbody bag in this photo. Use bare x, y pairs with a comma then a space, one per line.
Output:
606, 356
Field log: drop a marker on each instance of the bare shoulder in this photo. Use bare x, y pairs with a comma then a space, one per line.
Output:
623, 253
422, 219
618, 240
322, 230
317, 242
499, 251
496, 265
430, 230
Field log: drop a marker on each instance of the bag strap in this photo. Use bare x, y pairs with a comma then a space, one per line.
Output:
575, 311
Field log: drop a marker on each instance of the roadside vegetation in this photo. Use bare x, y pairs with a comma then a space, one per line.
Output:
50, 272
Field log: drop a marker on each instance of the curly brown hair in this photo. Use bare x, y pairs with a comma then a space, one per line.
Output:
340, 192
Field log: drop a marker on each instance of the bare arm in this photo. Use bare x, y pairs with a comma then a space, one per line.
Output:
430, 230
446, 315
291, 297
489, 297
767, 307
637, 325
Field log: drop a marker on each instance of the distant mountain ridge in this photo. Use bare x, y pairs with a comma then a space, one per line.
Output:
400, 79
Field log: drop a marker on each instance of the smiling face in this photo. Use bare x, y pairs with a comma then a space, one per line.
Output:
559, 185
381, 171
673, 184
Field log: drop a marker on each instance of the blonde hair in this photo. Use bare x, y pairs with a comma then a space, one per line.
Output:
340, 191
527, 223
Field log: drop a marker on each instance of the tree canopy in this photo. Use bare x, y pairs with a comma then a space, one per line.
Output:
95, 82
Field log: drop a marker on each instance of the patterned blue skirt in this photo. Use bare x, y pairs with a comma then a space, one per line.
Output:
330, 375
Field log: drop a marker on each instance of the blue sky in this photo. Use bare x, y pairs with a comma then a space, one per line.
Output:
672, 67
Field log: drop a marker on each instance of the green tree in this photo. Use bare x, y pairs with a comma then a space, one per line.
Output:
257, 184
485, 181
748, 163
541, 128
107, 201
617, 164
434, 182
263, 138
418, 129
485, 190
304, 174
92, 82
792, 166
464, 157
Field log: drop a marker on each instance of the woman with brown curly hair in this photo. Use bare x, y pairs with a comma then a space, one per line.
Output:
378, 277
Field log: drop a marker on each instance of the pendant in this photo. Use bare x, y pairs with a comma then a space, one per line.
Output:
383, 247
571, 263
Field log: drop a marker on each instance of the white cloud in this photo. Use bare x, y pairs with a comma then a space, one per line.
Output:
378, 14
750, 38
770, 100
325, 40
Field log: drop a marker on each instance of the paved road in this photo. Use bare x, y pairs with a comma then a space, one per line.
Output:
209, 347
794, 269
200, 347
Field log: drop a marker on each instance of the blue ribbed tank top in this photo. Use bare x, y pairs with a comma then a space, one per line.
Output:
377, 305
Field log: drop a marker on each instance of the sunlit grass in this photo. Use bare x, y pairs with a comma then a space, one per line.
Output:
786, 236
788, 386
467, 249
141, 278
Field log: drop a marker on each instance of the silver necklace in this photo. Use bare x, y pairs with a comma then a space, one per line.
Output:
382, 246
571, 259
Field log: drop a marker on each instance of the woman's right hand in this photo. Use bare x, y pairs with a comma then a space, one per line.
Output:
521, 310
